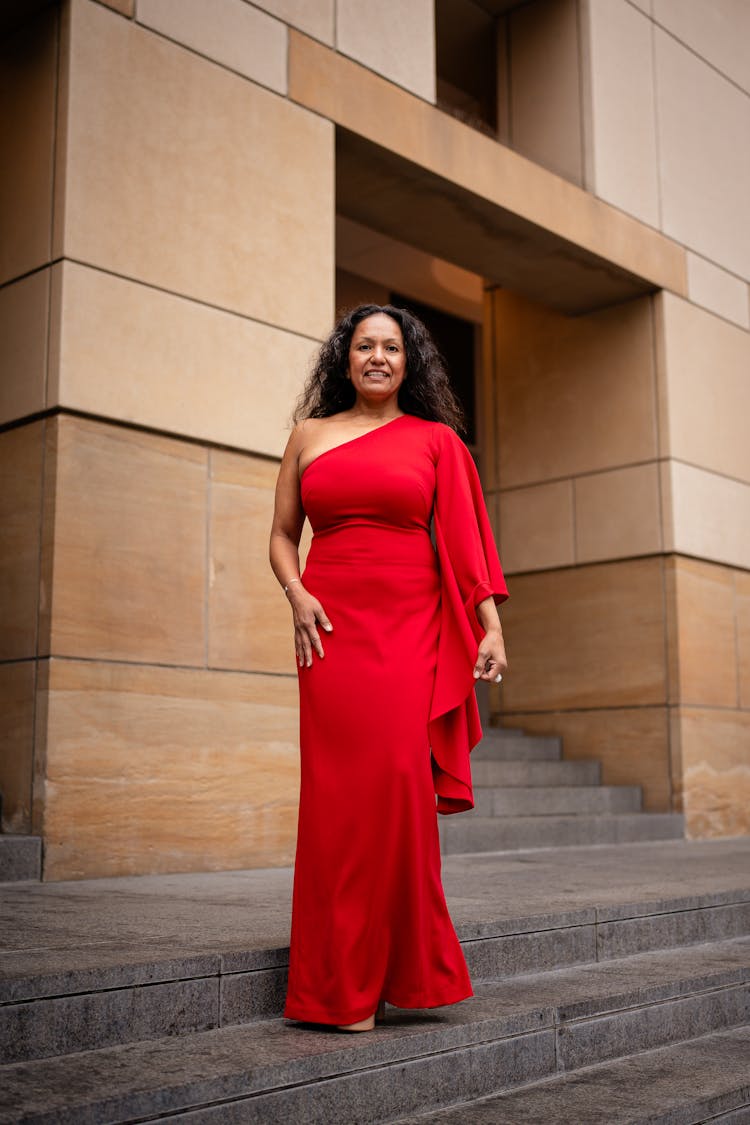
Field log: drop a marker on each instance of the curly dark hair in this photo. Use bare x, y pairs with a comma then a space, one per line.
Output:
426, 391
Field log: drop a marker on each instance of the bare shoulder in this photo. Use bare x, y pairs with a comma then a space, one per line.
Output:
302, 432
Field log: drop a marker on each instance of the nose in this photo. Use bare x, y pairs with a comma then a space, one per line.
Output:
378, 355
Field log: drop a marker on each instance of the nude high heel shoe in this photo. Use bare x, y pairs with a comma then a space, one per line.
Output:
367, 1024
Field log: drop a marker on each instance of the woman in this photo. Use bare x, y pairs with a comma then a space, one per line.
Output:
387, 708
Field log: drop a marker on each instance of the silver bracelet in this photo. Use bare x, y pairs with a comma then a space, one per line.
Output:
290, 582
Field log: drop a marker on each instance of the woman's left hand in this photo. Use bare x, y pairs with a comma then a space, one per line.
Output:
491, 661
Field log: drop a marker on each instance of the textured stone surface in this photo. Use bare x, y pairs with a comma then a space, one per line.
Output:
492, 772
704, 171
129, 545
702, 364
399, 45
634, 494
17, 700
554, 800
631, 743
68, 1024
706, 515
232, 33
703, 657
97, 966
499, 1038
249, 622
718, 291
170, 362
742, 588
574, 394
515, 912
537, 526
559, 626
249, 996
680, 927
623, 156
715, 753
20, 858
500, 746
139, 1079
315, 17
690, 1082
21, 468
201, 177
173, 767
544, 63
581, 1044
89, 940
496, 958
474, 833
24, 309
87, 925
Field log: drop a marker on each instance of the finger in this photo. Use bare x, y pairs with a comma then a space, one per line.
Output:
323, 619
489, 666
315, 641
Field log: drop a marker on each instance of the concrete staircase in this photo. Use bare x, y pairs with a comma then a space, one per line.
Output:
619, 993
526, 796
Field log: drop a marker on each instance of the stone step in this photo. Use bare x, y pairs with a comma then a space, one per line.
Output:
55, 1002
472, 833
700, 1080
552, 800
517, 747
20, 858
498, 773
512, 1032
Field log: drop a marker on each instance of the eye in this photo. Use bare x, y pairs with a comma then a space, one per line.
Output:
361, 346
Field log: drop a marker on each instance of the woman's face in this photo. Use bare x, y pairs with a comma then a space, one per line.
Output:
377, 359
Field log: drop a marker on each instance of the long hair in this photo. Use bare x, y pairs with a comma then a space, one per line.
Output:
425, 391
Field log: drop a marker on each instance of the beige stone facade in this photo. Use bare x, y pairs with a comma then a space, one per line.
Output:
190, 190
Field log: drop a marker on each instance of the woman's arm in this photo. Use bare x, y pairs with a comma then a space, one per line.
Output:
286, 530
491, 660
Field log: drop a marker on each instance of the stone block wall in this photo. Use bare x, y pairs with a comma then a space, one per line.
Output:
621, 490
168, 270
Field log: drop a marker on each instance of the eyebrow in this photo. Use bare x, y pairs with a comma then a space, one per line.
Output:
370, 340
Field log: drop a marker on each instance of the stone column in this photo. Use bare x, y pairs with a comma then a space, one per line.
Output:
616, 463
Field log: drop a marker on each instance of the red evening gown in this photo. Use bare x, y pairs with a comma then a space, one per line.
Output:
387, 718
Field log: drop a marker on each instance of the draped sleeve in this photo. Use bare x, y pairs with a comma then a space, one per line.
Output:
470, 571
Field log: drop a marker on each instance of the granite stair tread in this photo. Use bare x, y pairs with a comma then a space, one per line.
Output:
529, 1027
493, 771
556, 800
518, 747
696, 1081
475, 833
106, 963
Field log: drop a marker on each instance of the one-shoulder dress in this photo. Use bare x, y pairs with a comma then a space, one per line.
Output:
387, 718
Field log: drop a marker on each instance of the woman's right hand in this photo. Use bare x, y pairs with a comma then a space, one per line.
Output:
307, 613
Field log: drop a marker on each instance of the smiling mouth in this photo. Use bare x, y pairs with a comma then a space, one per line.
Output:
385, 374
